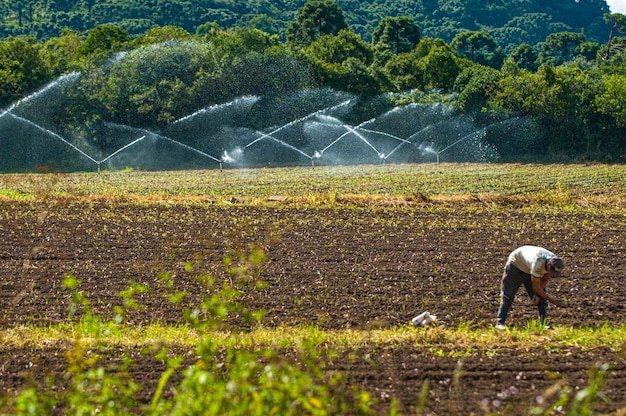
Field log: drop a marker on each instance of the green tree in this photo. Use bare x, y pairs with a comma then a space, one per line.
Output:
525, 57
458, 11
563, 101
59, 54
265, 23
231, 44
342, 62
22, 69
530, 27
151, 85
162, 34
474, 85
102, 40
351, 75
477, 46
560, 47
611, 100
207, 29
174, 13
19, 7
315, 19
588, 50
405, 72
617, 22
337, 48
523, 93
440, 68
394, 35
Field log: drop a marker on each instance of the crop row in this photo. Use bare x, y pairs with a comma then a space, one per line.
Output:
385, 179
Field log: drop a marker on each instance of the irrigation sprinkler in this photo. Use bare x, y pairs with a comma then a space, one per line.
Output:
51, 133
119, 150
316, 155
467, 136
67, 142
291, 123
383, 136
166, 138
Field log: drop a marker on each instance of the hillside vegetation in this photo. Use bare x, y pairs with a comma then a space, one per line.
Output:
143, 66
509, 22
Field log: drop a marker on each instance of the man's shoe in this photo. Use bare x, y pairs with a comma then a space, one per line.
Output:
500, 327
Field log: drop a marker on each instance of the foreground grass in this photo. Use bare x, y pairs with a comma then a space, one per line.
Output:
464, 338
257, 383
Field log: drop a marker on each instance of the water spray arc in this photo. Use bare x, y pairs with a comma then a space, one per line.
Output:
61, 80
232, 133
53, 134
58, 136
247, 101
300, 120
169, 139
120, 150
282, 143
349, 130
475, 134
462, 139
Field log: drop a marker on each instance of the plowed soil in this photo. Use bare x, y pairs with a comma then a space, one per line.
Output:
335, 268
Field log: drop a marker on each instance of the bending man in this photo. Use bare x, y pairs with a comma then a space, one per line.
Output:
532, 267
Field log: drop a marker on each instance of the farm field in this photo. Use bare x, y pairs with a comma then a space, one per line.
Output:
352, 254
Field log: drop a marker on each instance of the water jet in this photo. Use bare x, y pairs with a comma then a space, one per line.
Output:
240, 131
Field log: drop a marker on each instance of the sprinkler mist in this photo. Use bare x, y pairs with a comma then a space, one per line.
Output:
476, 135
65, 141
411, 133
120, 150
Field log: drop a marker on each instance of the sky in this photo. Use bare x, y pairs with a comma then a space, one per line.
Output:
617, 6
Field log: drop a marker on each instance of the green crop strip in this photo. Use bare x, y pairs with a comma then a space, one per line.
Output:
487, 186
463, 337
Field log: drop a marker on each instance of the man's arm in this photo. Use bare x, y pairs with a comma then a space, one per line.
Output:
539, 284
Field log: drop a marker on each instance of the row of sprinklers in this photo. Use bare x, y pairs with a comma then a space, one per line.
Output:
323, 119
320, 117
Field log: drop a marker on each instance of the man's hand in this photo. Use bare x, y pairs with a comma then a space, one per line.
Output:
562, 303
536, 300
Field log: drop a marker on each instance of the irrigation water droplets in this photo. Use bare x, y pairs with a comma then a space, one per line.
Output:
305, 126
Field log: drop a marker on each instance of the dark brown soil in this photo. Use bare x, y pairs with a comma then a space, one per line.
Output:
335, 268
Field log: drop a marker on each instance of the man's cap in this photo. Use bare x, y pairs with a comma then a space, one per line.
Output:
555, 266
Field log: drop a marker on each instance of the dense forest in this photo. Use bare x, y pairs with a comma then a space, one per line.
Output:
147, 63
508, 22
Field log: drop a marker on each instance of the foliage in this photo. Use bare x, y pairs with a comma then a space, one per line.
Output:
394, 35
478, 47
560, 47
22, 68
441, 67
524, 57
315, 19
103, 40
510, 22
475, 85
337, 48
150, 78
611, 99
221, 380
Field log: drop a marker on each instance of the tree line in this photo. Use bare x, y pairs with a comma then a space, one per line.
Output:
574, 87
509, 22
